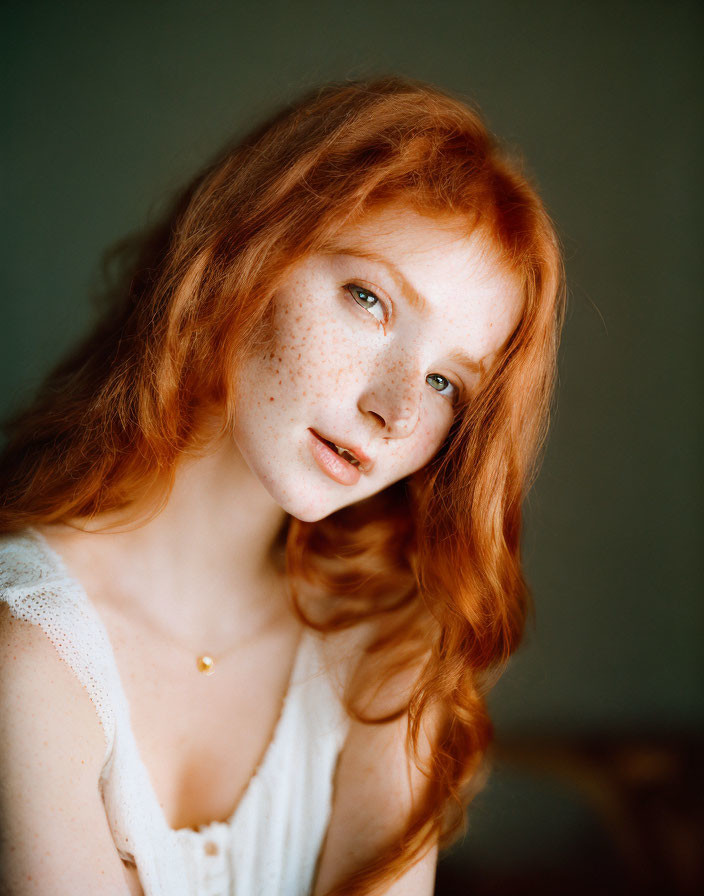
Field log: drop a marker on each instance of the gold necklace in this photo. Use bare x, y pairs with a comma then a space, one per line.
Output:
205, 662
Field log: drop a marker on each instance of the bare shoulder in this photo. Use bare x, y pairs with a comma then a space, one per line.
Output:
28, 657
36, 680
55, 835
377, 787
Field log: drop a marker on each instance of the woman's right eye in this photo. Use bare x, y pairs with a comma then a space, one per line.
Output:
367, 300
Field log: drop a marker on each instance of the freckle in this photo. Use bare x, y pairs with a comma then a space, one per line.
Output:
279, 360
299, 357
279, 382
271, 398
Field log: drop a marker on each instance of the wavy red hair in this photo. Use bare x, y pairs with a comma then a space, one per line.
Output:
435, 558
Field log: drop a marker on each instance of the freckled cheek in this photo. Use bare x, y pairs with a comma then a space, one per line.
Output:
314, 355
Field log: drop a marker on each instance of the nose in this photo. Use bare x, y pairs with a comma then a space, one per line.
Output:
395, 406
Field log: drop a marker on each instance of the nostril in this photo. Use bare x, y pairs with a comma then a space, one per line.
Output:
378, 417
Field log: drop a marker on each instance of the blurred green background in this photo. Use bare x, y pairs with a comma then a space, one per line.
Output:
109, 107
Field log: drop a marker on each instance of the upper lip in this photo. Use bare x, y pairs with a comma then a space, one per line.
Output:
365, 462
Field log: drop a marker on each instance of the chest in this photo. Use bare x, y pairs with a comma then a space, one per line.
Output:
201, 738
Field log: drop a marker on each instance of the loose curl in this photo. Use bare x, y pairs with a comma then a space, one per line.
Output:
434, 559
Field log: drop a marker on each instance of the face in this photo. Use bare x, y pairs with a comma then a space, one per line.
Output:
374, 341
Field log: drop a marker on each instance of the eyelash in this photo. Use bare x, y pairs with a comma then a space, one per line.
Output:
352, 288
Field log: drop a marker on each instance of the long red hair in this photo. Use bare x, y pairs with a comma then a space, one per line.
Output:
436, 557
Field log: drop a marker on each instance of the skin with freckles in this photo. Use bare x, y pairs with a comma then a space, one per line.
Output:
366, 349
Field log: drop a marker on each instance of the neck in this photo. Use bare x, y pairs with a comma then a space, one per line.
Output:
207, 560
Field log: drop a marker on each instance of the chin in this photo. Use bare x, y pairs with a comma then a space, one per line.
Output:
309, 517
308, 505
309, 496
309, 510
315, 503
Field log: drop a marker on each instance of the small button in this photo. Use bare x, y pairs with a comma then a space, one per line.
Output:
211, 848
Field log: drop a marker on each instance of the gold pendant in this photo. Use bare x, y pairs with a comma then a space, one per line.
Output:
206, 664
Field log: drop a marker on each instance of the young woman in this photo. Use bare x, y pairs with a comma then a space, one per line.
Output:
260, 558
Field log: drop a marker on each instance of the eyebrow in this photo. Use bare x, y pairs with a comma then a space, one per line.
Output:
410, 294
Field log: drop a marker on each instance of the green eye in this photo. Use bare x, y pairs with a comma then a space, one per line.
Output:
364, 298
367, 300
441, 384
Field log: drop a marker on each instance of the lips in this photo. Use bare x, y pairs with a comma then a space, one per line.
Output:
345, 453
354, 452
343, 463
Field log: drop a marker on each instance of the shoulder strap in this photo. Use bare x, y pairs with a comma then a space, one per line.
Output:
36, 586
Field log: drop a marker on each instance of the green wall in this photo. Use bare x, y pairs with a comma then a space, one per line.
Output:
108, 107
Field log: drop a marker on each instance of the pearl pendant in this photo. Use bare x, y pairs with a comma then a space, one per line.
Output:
206, 664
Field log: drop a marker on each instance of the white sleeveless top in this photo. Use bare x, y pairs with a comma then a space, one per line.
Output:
271, 843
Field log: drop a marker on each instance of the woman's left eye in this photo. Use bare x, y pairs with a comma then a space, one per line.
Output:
441, 384
367, 300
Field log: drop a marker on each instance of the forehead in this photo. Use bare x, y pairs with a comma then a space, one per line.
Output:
393, 224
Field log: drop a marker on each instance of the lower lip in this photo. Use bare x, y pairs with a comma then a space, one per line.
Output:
331, 463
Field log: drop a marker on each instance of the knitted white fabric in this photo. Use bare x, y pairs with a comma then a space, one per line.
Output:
270, 845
